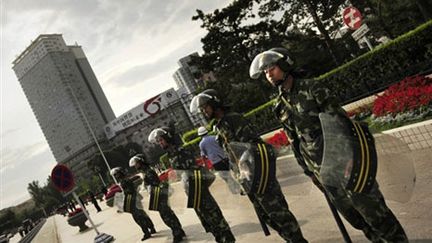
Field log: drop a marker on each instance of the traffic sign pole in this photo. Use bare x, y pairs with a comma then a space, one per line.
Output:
63, 180
367, 42
85, 212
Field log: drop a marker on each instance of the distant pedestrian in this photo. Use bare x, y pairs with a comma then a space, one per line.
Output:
94, 201
82, 202
210, 149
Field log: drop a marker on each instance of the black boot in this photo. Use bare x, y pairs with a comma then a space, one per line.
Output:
146, 236
152, 230
178, 237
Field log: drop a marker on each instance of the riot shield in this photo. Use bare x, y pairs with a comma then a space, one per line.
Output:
353, 159
396, 175
256, 165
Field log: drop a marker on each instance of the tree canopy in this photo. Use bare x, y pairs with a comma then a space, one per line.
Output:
310, 29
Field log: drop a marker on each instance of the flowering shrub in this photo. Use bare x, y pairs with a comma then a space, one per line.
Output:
78, 210
278, 139
406, 96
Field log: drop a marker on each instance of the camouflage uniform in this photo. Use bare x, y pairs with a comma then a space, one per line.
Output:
270, 206
139, 215
298, 112
209, 213
168, 216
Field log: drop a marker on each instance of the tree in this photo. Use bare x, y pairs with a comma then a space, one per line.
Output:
36, 192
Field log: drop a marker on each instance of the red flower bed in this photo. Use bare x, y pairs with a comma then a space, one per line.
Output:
409, 94
278, 139
78, 210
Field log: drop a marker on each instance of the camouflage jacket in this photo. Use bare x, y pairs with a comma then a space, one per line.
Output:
150, 177
234, 127
128, 187
298, 111
181, 159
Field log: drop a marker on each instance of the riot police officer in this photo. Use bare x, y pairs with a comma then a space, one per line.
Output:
159, 190
268, 201
199, 196
303, 107
130, 200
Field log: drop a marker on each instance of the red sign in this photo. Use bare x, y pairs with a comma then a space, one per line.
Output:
352, 18
153, 106
62, 178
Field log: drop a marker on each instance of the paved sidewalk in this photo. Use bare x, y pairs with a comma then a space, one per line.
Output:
305, 201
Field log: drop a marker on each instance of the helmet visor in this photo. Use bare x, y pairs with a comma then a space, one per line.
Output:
198, 102
263, 61
152, 138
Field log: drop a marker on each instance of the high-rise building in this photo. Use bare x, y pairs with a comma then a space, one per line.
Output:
65, 97
188, 78
184, 76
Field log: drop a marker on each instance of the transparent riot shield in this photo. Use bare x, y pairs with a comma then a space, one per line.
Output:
256, 165
349, 156
352, 156
119, 201
178, 189
396, 175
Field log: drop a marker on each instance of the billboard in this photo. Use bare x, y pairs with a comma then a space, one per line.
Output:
150, 107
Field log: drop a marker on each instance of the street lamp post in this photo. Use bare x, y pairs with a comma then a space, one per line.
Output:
91, 132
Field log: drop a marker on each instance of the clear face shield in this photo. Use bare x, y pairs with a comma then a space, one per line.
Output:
263, 61
198, 102
155, 134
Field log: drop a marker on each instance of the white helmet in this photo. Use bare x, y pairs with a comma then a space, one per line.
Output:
134, 160
202, 131
116, 170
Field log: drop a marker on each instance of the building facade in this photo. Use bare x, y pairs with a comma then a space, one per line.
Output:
188, 79
135, 125
65, 97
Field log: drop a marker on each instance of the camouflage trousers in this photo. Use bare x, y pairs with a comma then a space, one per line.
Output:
369, 213
170, 219
142, 219
273, 209
212, 219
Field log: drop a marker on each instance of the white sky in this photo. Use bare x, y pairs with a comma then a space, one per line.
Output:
132, 45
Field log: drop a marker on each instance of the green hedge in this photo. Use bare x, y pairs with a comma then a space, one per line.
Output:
407, 55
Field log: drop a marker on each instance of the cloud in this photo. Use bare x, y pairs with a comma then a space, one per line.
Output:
13, 157
133, 47
15, 178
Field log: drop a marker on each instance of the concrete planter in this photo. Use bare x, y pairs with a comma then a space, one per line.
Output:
79, 220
